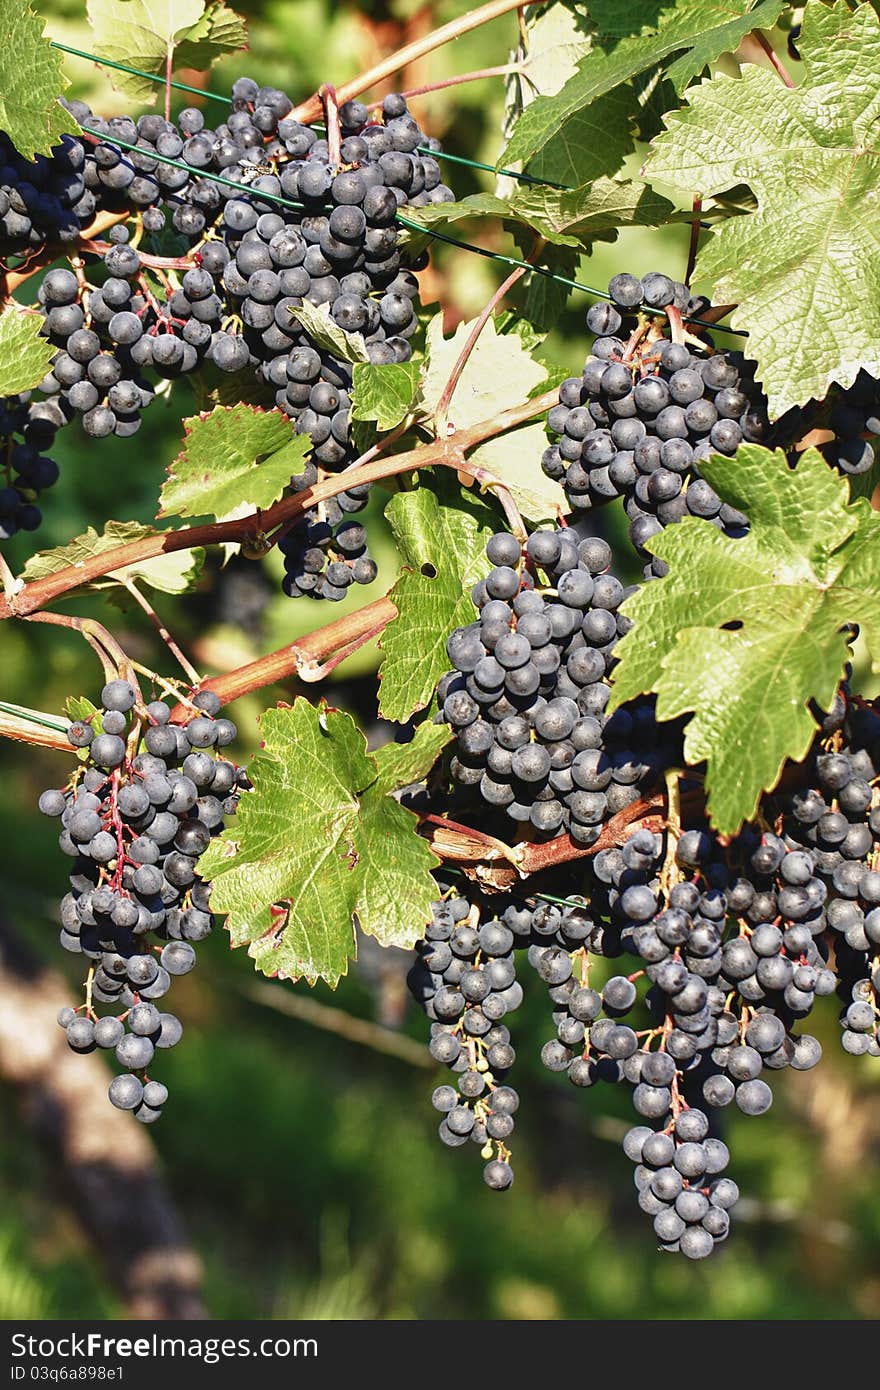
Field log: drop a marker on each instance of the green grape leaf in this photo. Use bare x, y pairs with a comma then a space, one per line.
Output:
79, 707
865, 484
576, 217
403, 764
145, 34
515, 458
325, 333
219, 31
557, 37
233, 460
237, 388
803, 269
500, 373
25, 356
746, 633
643, 34
320, 845
384, 394
441, 532
545, 299
31, 82
593, 142
171, 574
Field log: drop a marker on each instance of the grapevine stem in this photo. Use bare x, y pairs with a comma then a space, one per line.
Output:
183, 662
24, 728
669, 874
331, 120
169, 59
310, 110
10, 280
301, 658
479, 324
169, 688
381, 446
694, 238
103, 644
445, 453
342, 655
773, 57
100, 248
9, 580
344, 1025
502, 71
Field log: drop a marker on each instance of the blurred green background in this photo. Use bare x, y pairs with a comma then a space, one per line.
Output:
305, 1165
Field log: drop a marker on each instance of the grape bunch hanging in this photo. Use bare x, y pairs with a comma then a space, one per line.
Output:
654, 399
190, 248
721, 947
136, 815
124, 319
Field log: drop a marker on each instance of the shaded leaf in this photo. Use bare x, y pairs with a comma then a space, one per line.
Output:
385, 394
441, 531
515, 458
644, 34
174, 573
499, 373
593, 212
144, 33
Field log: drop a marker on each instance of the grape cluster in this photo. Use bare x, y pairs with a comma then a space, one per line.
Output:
851, 417
465, 979
102, 345
724, 946
646, 410
44, 199
247, 264
679, 1179
528, 693
135, 818
27, 431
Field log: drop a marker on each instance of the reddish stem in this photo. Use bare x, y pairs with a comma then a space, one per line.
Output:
444, 453
10, 280
310, 110
100, 248
300, 658
469, 345
331, 120
774, 58
183, 662
502, 71
694, 238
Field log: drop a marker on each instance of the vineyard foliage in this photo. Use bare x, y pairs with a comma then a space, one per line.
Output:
677, 733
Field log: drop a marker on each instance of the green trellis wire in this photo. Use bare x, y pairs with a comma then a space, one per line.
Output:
216, 96
241, 188
136, 72
264, 196
33, 717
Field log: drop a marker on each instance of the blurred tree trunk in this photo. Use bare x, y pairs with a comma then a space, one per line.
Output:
104, 1158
